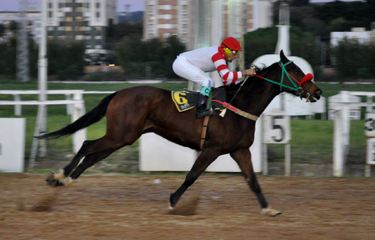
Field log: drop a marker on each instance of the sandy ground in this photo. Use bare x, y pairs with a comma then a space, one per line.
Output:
135, 207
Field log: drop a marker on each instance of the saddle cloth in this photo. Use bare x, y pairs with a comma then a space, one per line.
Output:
185, 100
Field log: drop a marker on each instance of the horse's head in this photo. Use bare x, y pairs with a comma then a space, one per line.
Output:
295, 81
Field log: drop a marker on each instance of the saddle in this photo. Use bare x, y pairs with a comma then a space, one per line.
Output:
186, 100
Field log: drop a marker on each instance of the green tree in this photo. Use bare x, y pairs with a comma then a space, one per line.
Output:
2, 30
116, 32
33, 58
13, 27
354, 60
65, 59
171, 48
338, 24
263, 41
259, 42
8, 58
153, 57
130, 53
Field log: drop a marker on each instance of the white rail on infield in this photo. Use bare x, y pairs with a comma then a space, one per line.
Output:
17, 96
341, 136
75, 107
78, 110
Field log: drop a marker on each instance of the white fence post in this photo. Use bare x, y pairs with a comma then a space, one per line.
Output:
69, 107
78, 110
370, 156
277, 131
288, 160
369, 108
18, 107
338, 144
346, 121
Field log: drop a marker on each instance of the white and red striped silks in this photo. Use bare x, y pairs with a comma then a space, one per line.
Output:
194, 66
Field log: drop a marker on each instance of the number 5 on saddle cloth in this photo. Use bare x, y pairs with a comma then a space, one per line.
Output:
186, 100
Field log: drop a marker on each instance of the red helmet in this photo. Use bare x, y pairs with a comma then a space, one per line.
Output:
231, 43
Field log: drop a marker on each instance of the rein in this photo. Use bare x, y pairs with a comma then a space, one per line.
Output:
235, 110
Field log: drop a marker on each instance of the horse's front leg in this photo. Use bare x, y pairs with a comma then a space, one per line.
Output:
206, 157
243, 159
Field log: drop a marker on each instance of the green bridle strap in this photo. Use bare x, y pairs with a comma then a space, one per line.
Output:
284, 72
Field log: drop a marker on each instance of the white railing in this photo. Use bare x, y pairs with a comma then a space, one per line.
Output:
78, 110
69, 95
75, 107
350, 97
341, 136
73, 100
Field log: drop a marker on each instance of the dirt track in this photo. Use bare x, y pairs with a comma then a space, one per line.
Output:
135, 207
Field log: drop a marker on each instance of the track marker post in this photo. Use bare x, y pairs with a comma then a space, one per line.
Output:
277, 131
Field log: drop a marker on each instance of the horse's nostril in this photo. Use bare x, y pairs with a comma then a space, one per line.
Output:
318, 92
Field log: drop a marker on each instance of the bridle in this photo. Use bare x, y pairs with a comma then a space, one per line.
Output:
296, 85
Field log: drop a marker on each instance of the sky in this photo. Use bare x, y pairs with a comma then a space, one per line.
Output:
12, 5
136, 5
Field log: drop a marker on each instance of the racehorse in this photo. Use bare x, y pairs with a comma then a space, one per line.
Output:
134, 111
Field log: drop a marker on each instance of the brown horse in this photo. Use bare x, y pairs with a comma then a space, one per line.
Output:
134, 111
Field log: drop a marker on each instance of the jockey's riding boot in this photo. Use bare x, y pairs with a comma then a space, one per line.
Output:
202, 108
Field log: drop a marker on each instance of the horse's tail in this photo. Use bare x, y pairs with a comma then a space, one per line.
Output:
84, 121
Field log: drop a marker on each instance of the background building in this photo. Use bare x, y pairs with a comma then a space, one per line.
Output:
204, 22
163, 18
358, 34
84, 20
33, 23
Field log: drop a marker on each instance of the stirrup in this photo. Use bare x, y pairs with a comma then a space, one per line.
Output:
203, 112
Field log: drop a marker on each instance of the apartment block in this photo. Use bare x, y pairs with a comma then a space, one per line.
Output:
204, 22
33, 23
163, 18
84, 20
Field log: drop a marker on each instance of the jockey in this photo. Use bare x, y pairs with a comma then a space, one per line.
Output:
193, 65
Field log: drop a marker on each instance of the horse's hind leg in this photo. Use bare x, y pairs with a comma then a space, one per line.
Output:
104, 147
203, 161
123, 128
54, 179
243, 159
88, 161
83, 151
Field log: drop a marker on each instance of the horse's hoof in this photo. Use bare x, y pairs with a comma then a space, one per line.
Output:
59, 175
69, 181
187, 207
51, 181
270, 212
172, 201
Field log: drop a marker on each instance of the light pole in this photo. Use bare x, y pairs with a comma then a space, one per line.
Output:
22, 44
42, 79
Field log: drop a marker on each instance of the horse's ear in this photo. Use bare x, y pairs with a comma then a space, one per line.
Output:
283, 58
